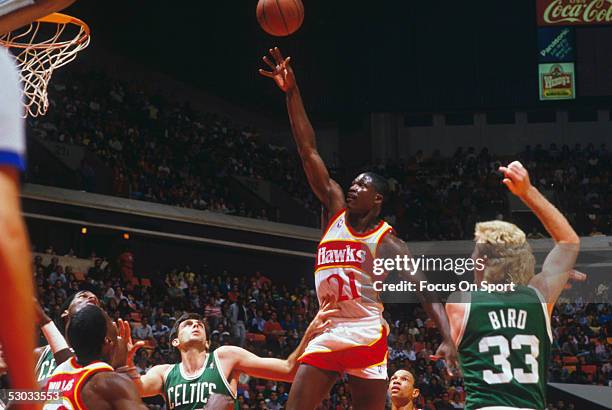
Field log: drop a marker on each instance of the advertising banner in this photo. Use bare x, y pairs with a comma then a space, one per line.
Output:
557, 81
556, 45
574, 12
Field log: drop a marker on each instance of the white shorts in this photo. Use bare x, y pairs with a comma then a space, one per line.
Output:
352, 348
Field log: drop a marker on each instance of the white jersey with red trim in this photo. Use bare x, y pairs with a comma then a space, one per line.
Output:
12, 125
68, 379
344, 269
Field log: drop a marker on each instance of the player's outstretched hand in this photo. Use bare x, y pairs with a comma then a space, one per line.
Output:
516, 178
448, 351
281, 73
125, 333
575, 276
321, 321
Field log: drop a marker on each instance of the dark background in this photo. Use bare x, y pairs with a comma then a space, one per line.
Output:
350, 56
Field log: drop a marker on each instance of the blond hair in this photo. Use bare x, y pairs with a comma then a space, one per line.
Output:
509, 258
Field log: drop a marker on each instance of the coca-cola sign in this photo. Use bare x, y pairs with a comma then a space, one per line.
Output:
574, 12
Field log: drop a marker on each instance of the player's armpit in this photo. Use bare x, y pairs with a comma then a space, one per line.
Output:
111, 389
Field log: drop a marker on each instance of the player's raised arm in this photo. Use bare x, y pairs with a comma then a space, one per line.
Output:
270, 368
560, 261
16, 289
57, 342
326, 189
392, 247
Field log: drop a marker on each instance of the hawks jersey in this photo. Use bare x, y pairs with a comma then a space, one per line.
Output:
504, 350
356, 343
12, 131
45, 366
69, 378
191, 393
344, 269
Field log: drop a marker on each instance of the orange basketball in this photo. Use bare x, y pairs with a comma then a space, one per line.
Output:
280, 17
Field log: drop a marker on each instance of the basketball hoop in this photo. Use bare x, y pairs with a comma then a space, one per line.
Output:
46, 44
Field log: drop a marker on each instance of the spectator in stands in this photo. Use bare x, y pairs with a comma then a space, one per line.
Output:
220, 335
239, 318
159, 329
144, 331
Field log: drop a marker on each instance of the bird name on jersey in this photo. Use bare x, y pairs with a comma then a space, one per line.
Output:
425, 286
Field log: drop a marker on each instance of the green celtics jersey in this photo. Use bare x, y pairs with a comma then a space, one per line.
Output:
191, 393
505, 348
45, 366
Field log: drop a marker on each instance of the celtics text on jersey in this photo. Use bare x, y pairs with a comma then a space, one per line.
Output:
45, 366
191, 393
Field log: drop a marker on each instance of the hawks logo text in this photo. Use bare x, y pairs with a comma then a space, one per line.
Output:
343, 253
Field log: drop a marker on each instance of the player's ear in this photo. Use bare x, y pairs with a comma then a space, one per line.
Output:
378, 198
415, 393
175, 342
64, 314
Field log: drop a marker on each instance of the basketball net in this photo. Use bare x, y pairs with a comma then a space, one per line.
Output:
41, 47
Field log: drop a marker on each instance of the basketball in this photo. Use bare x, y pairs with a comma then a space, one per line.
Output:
280, 17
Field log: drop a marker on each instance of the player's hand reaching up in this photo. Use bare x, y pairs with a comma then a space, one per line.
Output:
575, 276
516, 178
281, 72
125, 333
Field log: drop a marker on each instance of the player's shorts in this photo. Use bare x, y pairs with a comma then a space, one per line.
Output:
352, 348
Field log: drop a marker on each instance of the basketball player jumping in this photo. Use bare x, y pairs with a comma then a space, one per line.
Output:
202, 374
87, 380
356, 344
504, 338
16, 293
402, 390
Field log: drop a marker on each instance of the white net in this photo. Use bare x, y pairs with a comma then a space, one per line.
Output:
40, 48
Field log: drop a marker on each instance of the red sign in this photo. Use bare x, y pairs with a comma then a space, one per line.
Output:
574, 12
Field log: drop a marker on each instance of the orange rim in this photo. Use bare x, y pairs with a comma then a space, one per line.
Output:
56, 18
